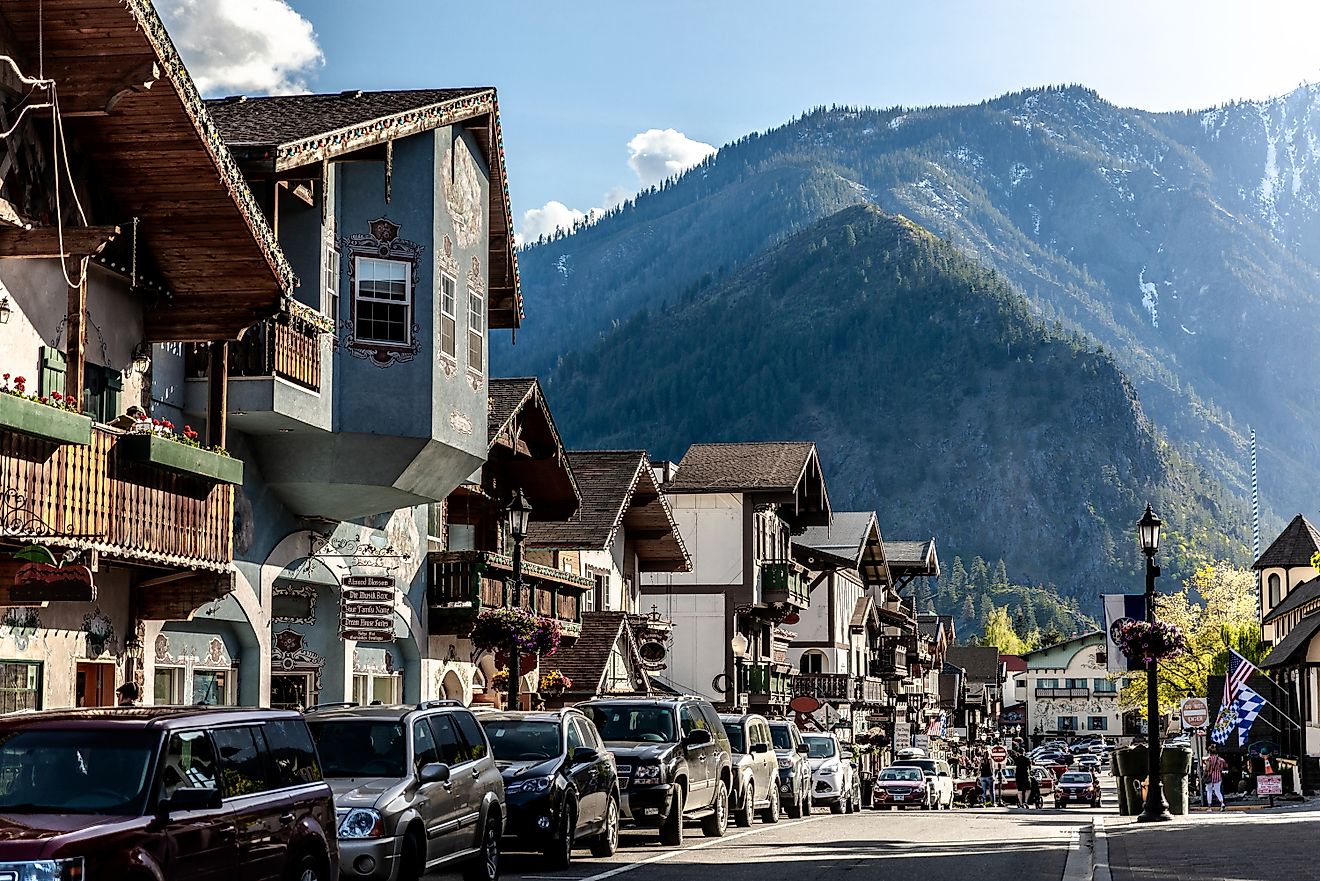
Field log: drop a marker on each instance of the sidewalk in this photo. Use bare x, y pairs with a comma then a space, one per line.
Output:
1234, 846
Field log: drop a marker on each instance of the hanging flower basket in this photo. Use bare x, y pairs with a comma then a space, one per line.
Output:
499, 680
555, 683
547, 636
1146, 642
497, 629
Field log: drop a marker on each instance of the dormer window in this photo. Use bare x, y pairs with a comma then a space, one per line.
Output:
382, 301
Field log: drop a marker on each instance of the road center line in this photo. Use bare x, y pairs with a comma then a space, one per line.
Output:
661, 857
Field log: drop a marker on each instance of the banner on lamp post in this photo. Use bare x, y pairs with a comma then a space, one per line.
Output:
1120, 607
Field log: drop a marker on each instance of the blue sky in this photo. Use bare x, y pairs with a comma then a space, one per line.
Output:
578, 81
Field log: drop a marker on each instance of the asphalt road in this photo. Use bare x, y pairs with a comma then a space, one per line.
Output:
1009, 843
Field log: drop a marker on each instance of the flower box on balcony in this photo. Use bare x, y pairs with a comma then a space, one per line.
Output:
174, 456
41, 420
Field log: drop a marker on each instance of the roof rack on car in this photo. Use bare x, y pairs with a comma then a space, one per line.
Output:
431, 705
331, 706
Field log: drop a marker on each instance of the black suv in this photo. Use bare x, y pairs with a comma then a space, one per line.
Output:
560, 784
673, 758
794, 770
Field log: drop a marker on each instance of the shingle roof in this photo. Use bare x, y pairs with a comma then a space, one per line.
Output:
912, 558
506, 398
928, 624
776, 465
585, 660
861, 611
1297, 597
523, 449
1296, 641
618, 490
845, 537
980, 661
283, 119
1294, 546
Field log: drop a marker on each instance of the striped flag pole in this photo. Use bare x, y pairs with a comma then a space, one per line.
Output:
1255, 503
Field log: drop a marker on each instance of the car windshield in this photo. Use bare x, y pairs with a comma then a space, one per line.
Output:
910, 774
75, 772
820, 747
735, 732
927, 766
360, 748
633, 724
1076, 778
515, 740
782, 737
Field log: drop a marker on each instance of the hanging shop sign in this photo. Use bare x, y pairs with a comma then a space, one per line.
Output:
40, 579
366, 610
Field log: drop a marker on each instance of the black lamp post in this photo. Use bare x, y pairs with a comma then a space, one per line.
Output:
517, 513
1148, 528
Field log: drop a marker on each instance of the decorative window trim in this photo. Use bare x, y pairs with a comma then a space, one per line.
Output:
359, 296
383, 243
450, 315
301, 591
476, 286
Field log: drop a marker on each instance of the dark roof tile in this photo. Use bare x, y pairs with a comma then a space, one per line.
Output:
777, 465
584, 661
980, 661
1295, 546
1294, 643
1297, 597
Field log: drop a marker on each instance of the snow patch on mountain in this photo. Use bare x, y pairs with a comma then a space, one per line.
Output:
1150, 298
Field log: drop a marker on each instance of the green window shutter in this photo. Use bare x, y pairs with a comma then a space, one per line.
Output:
52, 371
114, 393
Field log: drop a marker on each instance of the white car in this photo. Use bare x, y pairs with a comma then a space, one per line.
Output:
834, 780
939, 780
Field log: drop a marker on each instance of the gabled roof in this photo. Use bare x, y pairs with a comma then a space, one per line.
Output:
586, 661
851, 540
1295, 643
523, 446
909, 559
1090, 636
864, 613
618, 490
1297, 597
980, 661
1295, 546
789, 469
133, 114
277, 134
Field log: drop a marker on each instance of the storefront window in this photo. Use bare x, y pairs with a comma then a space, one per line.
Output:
20, 686
211, 687
370, 688
169, 685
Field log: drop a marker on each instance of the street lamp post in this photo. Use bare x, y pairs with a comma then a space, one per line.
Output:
1156, 810
738, 645
517, 513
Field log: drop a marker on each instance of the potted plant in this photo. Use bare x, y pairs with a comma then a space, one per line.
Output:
53, 417
555, 683
157, 442
546, 637
497, 629
1147, 641
500, 680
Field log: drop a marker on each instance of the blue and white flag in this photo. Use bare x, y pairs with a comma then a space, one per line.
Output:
1120, 607
1247, 705
1225, 724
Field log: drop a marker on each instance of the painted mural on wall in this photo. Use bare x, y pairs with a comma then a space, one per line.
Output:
383, 243
100, 633
463, 194
290, 654
20, 624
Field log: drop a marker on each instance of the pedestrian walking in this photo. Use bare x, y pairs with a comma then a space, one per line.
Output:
1022, 774
129, 694
987, 773
1212, 772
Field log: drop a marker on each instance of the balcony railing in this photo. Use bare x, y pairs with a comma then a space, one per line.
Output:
462, 583
766, 685
271, 348
783, 582
825, 686
871, 690
93, 497
891, 664
1063, 692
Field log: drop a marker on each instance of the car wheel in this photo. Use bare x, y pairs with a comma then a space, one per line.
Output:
747, 807
607, 842
794, 808
309, 867
410, 861
559, 850
807, 804
837, 806
771, 813
671, 830
714, 825
486, 865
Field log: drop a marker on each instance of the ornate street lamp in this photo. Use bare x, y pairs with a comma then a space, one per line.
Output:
738, 645
517, 513
1148, 530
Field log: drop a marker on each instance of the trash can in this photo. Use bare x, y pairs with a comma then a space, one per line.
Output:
1175, 765
1123, 797
1130, 764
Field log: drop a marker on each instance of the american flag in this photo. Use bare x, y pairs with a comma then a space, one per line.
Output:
1239, 668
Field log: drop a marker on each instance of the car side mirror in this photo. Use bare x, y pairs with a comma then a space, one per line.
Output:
803, 748
760, 747
584, 755
189, 799
697, 737
433, 772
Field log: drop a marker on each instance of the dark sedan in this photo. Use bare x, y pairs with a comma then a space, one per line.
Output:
560, 783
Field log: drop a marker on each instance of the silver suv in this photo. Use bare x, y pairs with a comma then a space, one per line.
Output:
416, 789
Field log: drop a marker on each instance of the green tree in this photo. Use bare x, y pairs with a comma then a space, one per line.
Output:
1000, 633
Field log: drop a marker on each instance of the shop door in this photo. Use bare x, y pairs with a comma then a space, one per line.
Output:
95, 686
290, 691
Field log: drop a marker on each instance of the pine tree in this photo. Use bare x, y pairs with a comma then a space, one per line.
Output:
980, 575
999, 580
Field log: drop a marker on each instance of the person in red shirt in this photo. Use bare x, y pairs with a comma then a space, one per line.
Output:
1212, 770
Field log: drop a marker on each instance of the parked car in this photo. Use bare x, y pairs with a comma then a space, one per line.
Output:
674, 761
834, 780
1044, 778
1087, 762
901, 786
175, 793
755, 769
561, 787
939, 779
794, 768
416, 789
1077, 787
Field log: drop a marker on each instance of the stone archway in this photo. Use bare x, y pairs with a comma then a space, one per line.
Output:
452, 687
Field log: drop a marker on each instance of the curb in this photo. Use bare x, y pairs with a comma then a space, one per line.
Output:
1100, 856
1080, 864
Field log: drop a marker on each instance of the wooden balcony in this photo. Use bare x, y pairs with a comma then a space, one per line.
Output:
271, 348
97, 496
765, 685
462, 583
783, 583
824, 686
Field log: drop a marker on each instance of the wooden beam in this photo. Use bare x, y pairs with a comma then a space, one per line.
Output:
217, 404
75, 349
44, 242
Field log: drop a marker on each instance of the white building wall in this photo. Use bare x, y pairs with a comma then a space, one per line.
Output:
711, 527
699, 645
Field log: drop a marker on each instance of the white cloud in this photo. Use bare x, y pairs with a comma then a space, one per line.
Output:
243, 46
543, 221
657, 154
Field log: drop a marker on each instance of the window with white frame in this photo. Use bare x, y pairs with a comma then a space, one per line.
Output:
448, 317
168, 685
213, 688
382, 302
330, 306
476, 330
372, 688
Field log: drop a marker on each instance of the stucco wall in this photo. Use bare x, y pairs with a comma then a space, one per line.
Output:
699, 647
711, 526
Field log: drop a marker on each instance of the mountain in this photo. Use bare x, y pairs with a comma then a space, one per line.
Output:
1185, 244
935, 395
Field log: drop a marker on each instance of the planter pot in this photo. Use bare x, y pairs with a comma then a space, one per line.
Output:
174, 456
1175, 760
39, 420
1132, 762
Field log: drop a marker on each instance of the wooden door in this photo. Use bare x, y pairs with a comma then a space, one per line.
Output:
95, 685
